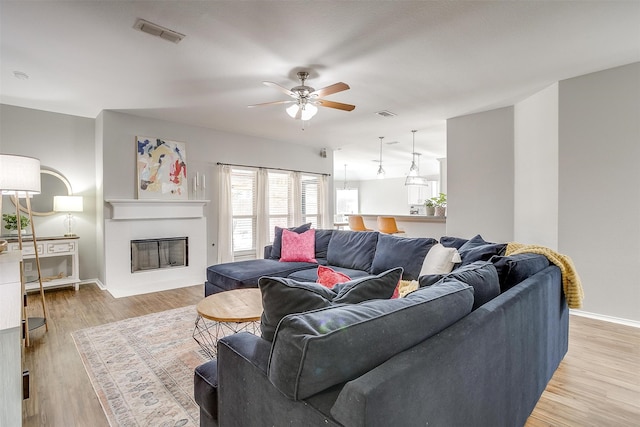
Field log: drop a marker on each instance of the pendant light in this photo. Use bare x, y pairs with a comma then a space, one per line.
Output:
413, 170
414, 177
380, 174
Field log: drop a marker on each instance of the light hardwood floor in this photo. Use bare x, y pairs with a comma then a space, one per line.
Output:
597, 384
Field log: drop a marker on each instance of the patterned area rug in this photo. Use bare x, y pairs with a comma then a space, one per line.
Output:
142, 368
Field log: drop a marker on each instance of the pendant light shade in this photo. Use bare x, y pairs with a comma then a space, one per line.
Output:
414, 178
380, 173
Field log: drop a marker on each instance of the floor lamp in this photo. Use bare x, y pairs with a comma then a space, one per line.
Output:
20, 177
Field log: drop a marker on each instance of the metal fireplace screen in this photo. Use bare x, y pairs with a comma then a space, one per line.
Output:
153, 254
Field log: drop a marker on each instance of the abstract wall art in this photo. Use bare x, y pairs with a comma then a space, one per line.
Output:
162, 169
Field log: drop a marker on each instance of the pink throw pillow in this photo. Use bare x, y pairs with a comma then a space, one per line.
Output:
328, 277
298, 247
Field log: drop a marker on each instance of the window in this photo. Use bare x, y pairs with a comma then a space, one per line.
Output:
243, 206
285, 209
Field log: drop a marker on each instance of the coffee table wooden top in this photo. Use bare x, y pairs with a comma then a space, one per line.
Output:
238, 305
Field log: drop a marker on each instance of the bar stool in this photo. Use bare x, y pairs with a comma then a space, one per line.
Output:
356, 223
387, 225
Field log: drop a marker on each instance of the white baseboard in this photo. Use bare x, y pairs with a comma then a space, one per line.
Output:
627, 322
92, 281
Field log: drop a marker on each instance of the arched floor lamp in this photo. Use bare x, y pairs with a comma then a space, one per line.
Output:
20, 177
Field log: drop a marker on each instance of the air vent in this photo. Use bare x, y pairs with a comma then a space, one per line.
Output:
386, 113
158, 31
392, 142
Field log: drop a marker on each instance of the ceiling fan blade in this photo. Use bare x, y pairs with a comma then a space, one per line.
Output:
333, 104
280, 88
334, 88
271, 103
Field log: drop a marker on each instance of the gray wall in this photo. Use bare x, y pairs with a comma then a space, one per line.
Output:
599, 192
64, 143
480, 175
575, 163
536, 169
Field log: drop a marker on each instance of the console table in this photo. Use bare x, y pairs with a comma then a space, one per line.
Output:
58, 261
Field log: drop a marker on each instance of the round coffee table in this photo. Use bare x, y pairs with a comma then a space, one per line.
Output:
226, 313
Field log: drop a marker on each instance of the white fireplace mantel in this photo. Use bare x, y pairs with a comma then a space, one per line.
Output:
128, 209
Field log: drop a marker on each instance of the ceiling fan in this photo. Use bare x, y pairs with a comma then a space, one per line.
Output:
306, 99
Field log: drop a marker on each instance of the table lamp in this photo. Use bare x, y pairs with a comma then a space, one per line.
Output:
20, 176
68, 204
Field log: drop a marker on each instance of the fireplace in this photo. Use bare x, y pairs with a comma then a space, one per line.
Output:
153, 254
159, 223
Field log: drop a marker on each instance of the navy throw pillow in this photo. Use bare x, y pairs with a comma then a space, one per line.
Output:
276, 247
480, 275
477, 249
381, 286
408, 253
514, 269
452, 242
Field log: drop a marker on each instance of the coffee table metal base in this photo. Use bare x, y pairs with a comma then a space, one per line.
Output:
207, 332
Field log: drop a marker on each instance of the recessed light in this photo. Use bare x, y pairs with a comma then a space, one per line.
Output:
20, 75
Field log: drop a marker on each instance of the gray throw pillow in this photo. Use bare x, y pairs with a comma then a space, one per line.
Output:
380, 286
282, 296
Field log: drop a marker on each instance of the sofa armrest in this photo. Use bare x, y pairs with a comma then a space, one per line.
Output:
247, 398
267, 251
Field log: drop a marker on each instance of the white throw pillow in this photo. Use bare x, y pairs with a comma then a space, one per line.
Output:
440, 260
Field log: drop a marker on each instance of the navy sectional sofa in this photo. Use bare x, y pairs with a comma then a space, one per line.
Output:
475, 347
356, 254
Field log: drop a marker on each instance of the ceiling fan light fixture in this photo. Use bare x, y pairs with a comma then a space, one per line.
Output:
292, 110
308, 111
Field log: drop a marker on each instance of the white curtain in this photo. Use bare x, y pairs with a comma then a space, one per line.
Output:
225, 218
296, 198
323, 203
262, 212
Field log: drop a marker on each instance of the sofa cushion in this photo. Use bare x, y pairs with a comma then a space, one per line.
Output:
405, 252
352, 249
282, 296
304, 359
245, 274
311, 275
329, 277
481, 275
440, 260
298, 247
380, 286
514, 269
452, 242
276, 246
477, 249
322, 242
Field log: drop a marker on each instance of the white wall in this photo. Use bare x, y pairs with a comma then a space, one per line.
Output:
599, 176
205, 147
64, 143
536, 169
480, 175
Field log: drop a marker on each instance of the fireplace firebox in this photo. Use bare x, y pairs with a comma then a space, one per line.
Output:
153, 254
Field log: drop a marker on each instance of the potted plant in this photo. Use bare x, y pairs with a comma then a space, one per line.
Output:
431, 207
11, 223
440, 203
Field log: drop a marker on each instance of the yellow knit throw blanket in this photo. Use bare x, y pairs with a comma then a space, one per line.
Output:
571, 283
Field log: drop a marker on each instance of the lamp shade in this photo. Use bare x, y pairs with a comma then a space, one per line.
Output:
19, 173
67, 203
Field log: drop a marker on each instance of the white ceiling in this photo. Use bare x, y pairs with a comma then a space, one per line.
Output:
426, 61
